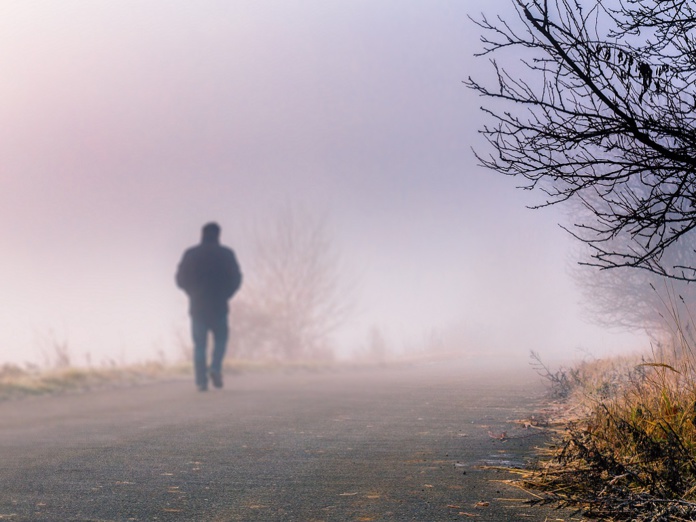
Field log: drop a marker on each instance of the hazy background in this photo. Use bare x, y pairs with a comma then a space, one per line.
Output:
124, 126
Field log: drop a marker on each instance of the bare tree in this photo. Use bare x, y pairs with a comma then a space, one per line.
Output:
603, 114
636, 300
632, 300
294, 296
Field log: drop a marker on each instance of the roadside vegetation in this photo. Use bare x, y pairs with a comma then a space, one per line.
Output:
30, 380
59, 374
626, 444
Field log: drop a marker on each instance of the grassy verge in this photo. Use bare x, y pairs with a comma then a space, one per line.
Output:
626, 449
16, 382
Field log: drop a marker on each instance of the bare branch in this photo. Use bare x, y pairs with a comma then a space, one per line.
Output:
603, 111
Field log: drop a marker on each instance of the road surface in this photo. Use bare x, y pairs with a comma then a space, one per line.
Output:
407, 443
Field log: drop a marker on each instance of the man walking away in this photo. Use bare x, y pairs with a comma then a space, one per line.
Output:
210, 276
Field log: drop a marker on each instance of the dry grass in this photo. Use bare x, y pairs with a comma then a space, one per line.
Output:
16, 382
630, 451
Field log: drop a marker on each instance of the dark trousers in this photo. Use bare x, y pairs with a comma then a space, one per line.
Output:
199, 329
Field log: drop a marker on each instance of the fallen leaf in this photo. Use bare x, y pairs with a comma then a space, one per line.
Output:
482, 503
347, 494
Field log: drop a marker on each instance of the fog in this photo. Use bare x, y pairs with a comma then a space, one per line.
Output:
127, 125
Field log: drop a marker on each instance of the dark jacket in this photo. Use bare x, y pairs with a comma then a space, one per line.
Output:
210, 276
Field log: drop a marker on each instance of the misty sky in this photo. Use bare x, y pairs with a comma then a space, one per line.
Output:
124, 126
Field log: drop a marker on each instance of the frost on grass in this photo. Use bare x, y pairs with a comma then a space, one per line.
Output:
630, 453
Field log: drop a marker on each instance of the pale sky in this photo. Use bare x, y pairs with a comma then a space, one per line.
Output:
125, 126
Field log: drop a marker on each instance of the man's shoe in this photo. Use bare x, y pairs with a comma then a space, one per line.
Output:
216, 377
202, 387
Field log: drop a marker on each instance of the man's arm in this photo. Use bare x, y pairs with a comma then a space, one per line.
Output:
183, 273
234, 275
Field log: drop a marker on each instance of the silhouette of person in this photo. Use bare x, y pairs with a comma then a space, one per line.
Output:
210, 276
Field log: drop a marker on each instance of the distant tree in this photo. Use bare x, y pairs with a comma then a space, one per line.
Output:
629, 299
636, 300
294, 295
598, 107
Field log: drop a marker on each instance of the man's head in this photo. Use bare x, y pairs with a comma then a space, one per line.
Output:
211, 233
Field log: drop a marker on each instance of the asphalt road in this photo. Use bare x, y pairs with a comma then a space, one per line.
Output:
409, 443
